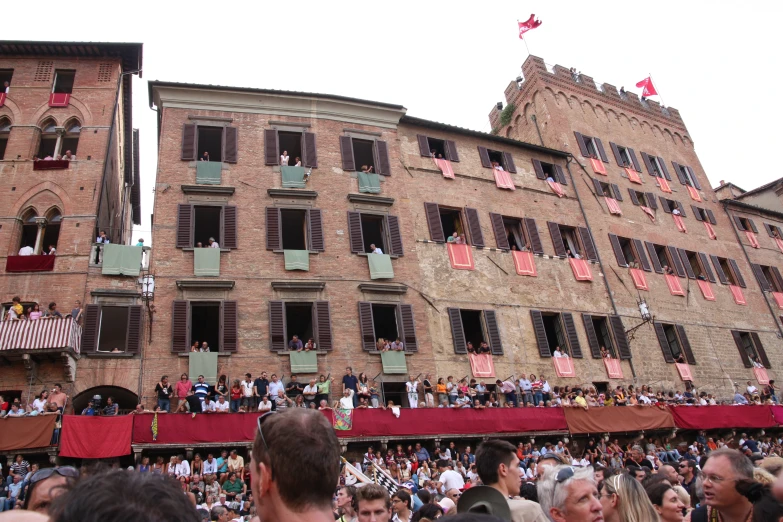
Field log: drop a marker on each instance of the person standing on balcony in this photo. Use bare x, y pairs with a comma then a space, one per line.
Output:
213, 243
163, 391
205, 157
58, 397
284, 158
26, 250
103, 238
76, 312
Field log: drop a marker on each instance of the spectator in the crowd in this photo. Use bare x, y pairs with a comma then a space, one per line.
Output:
624, 500
351, 382
112, 408
372, 504
52, 311
569, 494
213, 243
102, 238
402, 506
163, 392
247, 392
665, 502
345, 503
724, 468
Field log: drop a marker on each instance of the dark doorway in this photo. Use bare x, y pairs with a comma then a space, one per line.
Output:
554, 332
451, 221
438, 146
473, 326
29, 235
113, 329
601, 387
373, 233
293, 222
205, 324
210, 140
384, 319
395, 391
364, 154
206, 224
63, 82
48, 144
125, 399
291, 142
299, 321
602, 332
51, 236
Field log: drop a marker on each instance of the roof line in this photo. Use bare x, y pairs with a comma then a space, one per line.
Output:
742, 204
759, 189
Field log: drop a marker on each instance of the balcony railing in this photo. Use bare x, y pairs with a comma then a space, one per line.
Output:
40, 334
96, 256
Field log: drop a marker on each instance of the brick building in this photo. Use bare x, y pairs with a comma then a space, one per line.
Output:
60, 97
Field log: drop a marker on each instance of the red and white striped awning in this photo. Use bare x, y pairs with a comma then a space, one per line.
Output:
41, 334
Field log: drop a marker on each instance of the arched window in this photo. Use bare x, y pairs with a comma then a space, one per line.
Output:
48, 146
70, 141
29, 230
5, 131
52, 231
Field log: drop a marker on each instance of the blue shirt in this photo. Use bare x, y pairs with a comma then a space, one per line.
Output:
201, 390
222, 464
525, 385
422, 454
350, 382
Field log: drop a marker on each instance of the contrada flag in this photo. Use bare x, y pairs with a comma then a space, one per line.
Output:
648, 87
526, 26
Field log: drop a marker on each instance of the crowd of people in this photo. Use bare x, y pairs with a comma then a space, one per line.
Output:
18, 312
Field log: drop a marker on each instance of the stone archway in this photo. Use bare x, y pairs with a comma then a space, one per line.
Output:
122, 396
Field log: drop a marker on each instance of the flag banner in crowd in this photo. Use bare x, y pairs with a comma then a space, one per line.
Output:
154, 427
524, 263
382, 478
613, 368
736, 292
564, 366
598, 166
694, 193
613, 206
639, 279
761, 376
445, 167
581, 269
706, 290
353, 471
461, 256
664, 184
778, 297
680, 223
343, 419
685, 371
503, 179
528, 25
633, 176
648, 89
673, 282
482, 365
754, 242
649, 212
710, 230
556, 187
779, 242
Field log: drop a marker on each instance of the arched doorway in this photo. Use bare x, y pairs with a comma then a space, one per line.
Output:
122, 396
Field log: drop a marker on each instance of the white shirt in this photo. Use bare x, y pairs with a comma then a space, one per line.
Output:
377, 251
411, 387
209, 469
310, 390
452, 479
247, 388
214, 245
559, 354
346, 403
220, 407
182, 469
546, 388
264, 406
752, 389
676, 211
26, 251
274, 387
284, 160
39, 404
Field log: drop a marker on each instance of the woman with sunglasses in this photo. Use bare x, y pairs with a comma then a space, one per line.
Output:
47, 484
623, 500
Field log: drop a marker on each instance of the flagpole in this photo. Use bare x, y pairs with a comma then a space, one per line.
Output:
523, 39
658, 90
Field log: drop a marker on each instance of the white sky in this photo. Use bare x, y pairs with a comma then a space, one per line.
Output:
445, 61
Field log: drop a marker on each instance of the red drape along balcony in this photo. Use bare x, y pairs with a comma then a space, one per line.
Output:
29, 263
50, 164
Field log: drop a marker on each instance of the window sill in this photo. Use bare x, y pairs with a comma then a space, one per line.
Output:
191, 249
378, 352
288, 352
365, 254
220, 354
311, 252
110, 355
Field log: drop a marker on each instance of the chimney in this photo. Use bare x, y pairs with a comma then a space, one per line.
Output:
722, 183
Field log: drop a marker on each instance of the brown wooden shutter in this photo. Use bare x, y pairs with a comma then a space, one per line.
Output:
710, 216
743, 354
229, 327
580, 141
599, 189
323, 322
189, 131
648, 164
635, 161
656, 263
737, 273
538, 169
641, 255
705, 263
395, 236
573, 339
696, 213
92, 317
408, 336
346, 153
500, 231
493, 332
457, 332
674, 254
753, 226
560, 175
230, 227
776, 275
135, 330
685, 344
273, 239
587, 242
180, 326
277, 326
557, 239
184, 226
762, 353
384, 165
508, 163
760, 277
634, 198
424, 146
665, 205
230, 144
682, 209
617, 194
738, 223
540, 331
271, 147
719, 270
316, 230
651, 200
310, 159
474, 226
366, 326
664, 169
601, 152
679, 174
768, 229
667, 351
623, 348
592, 338
451, 151
484, 156
533, 236
355, 236
694, 178
618, 251
616, 152
686, 263
434, 223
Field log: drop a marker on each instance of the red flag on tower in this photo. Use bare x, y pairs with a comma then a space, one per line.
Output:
648, 87
526, 26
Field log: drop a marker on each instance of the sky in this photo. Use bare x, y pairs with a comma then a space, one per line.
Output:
451, 61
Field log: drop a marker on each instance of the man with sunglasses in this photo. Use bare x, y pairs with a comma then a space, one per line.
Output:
302, 440
47, 484
688, 473
569, 494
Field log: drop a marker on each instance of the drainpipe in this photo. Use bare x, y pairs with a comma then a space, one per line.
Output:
744, 251
597, 253
535, 122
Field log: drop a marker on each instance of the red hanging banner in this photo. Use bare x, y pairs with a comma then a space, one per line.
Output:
613, 368
524, 263
694, 193
706, 290
673, 282
581, 269
664, 185
752, 239
481, 365
556, 187
633, 176
685, 371
639, 279
613, 206
761, 376
680, 223
503, 179
736, 292
564, 366
710, 230
779, 242
598, 166
445, 167
778, 297
461, 256
649, 212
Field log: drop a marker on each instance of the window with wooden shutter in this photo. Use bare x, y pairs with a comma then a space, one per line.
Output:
696, 213
620, 338
180, 326
539, 170
651, 200
616, 152
451, 151
474, 226
271, 147
189, 142
601, 152
508, 163
705, 263
648, 164
617, 194
184, 226
685, 344
598, 187
273, 238
741, 347
760, 277
540, 331
573, 339
557, 239
752, 225
592, 337
457, 332
618, 250
664, 342
737, 273
323, 325
679, 173
639, 247
686, 263
230, 144
434, 223
493, 332
674, 255
587, 241
634, 197
760, 351
383, 166
635, 161
395, 236
533, 236
719, 270
656, 263
710, 216
277, 336
580, 141
366, 326
346, 153
561, 177
664, 169
665, 205
424, 146
229, 327
310, 156
230, 227
739, 224
135, 330
408, 336
315, 220
681, 207
768, 229
484, 157
92, 317
499, 229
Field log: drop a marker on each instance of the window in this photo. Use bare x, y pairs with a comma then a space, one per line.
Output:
702, 214
656, 166
70, 140
727, 271
591, 147
610, 190
197, 223
602, 332
220, 143
357, 152
294, 229
510, 232
63, 82
387, 321
695, 265
51, 233
769, 277
303, 318
112, 328
210, 141
5, 132
48, 145
686, 175
629, 252
6, 75
674, 343
668, 205
625, 156
29, 230
474, 326
446, 221
745, 224
750, 349
383, 231
297, 144
553, 330
772, 230
665, 257
451, 221
644, 199
503, 159
569, 241
213, 322
606, 332
446, 149
546, 170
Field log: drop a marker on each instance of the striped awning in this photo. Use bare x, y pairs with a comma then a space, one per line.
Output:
41, 334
